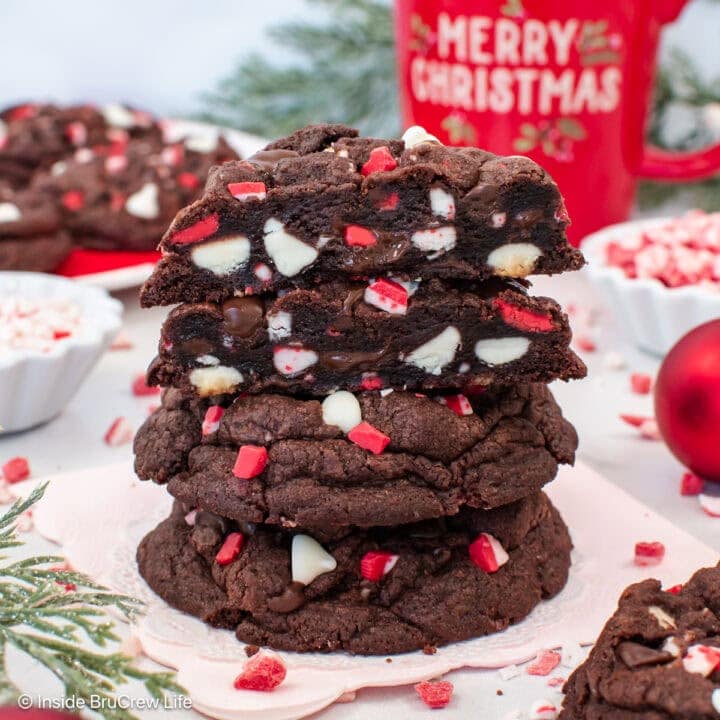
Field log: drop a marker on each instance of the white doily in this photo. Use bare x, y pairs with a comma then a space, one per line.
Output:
100, 515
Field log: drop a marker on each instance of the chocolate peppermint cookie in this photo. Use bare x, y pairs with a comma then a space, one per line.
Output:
324, 203
30, 234
355, 335
354, 460
658, 657
387, 590
125, 200
34, 136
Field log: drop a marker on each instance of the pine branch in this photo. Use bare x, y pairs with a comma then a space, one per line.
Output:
50, 612
343, 71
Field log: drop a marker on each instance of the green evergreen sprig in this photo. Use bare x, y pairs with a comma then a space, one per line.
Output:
342, 70
48, 612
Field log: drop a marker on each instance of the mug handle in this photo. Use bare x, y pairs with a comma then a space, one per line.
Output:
667, 165
661, 164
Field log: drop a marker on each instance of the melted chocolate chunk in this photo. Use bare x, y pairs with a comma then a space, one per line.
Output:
291, 599
243, 316
635, 655
268, 159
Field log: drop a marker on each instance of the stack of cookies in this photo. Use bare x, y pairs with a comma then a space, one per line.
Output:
356, 427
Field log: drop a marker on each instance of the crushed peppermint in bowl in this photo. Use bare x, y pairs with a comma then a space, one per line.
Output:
52, 332
659, 277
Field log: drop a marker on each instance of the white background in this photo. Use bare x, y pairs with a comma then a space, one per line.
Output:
163, 54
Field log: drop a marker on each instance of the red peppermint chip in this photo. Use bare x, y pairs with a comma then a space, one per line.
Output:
119, 433
264, 671
244, 191
73, 200
197, 231
230, 549
117, 201
251, 461
141, 389
640, 383
649, 553
389, 203
435, 694
76, 133
188, 180
16, 469
387, 295
371, 382
211, 422
487, 553
380, 159
376, 563
61, 334
459, 404
369, 438
545, 662
691, 484
522, 318
635, 420
357, 236
22, 112
585, 343
675, 589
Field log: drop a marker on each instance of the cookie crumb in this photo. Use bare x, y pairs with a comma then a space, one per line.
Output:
251, 650
429, 650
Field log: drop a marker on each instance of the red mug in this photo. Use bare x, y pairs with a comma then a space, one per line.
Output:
566, 83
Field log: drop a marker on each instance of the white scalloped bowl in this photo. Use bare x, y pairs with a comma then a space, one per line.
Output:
653, 316
35, 387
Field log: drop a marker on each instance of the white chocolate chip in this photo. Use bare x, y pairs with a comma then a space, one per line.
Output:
435, 354
715, 699
498, 351
309, 559
342, 409
436, 240
417, 135
9, 212
222, 256
323, 240
279, 325
58, 168
514, 259
289, 253
671, 646
118, 116
665, 621
442, 203
209, 360
202, 142
215, 380
144, 203
290, 360
262, 272
498, 219
464, 368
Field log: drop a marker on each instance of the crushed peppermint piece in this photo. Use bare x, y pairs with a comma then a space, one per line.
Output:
369, 438
251, 461
691, 484
710, 504
509, 672
487, 553
545, 662
16, 469
381, 159
211, 422
435, 694
119, 433
649, 553
140, 388
641, 383
459, 404
542, 710
230, 549
264, 671
377, 563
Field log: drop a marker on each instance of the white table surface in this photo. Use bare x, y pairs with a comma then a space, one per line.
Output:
644, 468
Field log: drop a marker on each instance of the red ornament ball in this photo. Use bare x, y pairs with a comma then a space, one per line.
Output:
687, 400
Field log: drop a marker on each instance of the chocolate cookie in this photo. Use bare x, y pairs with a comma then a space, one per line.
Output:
34, 136
359, 461
30, 234
657, 658
388, 590
418, 336
125, 200
325, 203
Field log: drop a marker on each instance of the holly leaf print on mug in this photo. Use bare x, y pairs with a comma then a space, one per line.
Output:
513, 9
555, 137
596, 46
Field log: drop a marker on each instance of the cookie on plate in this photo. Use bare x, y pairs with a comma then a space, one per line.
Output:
380, 591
